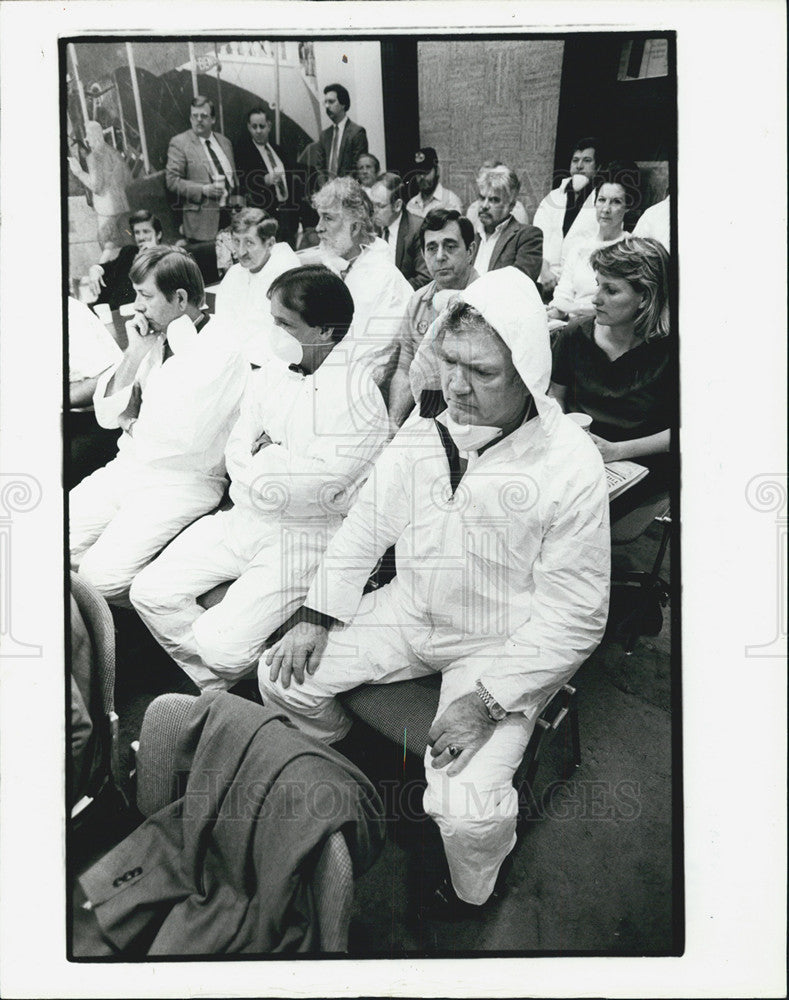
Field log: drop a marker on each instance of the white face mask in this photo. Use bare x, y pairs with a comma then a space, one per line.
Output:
579, 181
285, 347
469, 437
180, 333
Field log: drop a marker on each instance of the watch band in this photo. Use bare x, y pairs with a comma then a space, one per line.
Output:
495, 712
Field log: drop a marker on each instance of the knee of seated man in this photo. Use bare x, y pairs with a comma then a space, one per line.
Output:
106, 577
148, 592
223, 648
461, 802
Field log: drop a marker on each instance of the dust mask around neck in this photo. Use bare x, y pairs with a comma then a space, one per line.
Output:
469, 437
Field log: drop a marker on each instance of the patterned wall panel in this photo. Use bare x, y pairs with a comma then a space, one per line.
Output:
491, 99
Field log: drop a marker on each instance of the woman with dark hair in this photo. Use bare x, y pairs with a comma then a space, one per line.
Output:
617, 366
617, 196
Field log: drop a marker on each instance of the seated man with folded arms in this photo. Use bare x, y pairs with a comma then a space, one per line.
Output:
310, 429
448, 245
175, 394
498, 509
242, 304
350, 248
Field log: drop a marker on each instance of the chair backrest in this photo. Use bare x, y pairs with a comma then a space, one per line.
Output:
157, 785
98, 619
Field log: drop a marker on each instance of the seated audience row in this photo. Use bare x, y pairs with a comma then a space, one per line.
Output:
495, 502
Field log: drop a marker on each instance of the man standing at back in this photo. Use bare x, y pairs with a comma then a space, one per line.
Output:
201, 173
343, 142
265, 176
568, 210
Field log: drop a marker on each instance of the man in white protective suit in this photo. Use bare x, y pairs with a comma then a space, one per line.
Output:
498, 508
175, 394
349, 246
311, 426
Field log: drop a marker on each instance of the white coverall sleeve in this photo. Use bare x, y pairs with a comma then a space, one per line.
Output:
377, 519
542, 216
202, 394
313, 480
109, 408
564, 295
379, 312
569, 606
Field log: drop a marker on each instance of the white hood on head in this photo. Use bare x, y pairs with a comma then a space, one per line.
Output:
510, 302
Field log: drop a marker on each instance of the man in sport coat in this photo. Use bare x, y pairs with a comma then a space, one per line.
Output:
501, 240
399, 228
343, 142
201, 173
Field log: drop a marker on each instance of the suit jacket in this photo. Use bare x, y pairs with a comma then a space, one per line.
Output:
252, 172
519, 246
188, 169
352, 145
408, 252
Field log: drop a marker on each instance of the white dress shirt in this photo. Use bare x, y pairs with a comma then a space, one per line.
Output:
394, 229
340, 126
226, 165
275, 166
486, 247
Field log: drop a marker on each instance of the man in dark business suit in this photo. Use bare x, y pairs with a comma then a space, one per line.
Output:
399, 228
501, 240
343, 142
201, 173
264, 174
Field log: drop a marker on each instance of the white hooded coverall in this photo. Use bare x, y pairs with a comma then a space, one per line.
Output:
169, 470
288, 500
506, 582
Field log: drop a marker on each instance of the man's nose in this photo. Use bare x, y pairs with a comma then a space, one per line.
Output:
458, 382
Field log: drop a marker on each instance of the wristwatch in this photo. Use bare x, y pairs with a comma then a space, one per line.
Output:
495, 712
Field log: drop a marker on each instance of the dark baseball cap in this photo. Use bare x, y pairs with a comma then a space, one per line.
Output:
425, 158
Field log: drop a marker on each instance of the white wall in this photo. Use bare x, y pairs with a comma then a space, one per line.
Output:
361, 74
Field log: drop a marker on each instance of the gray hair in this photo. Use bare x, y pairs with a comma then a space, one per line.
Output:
353, 201
500, 178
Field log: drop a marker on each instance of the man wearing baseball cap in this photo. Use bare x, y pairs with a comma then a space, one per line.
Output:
432, 193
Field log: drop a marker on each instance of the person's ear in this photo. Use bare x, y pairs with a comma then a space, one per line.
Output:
182, 298
326, 333
397, 206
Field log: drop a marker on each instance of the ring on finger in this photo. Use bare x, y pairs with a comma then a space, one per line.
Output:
453, 750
